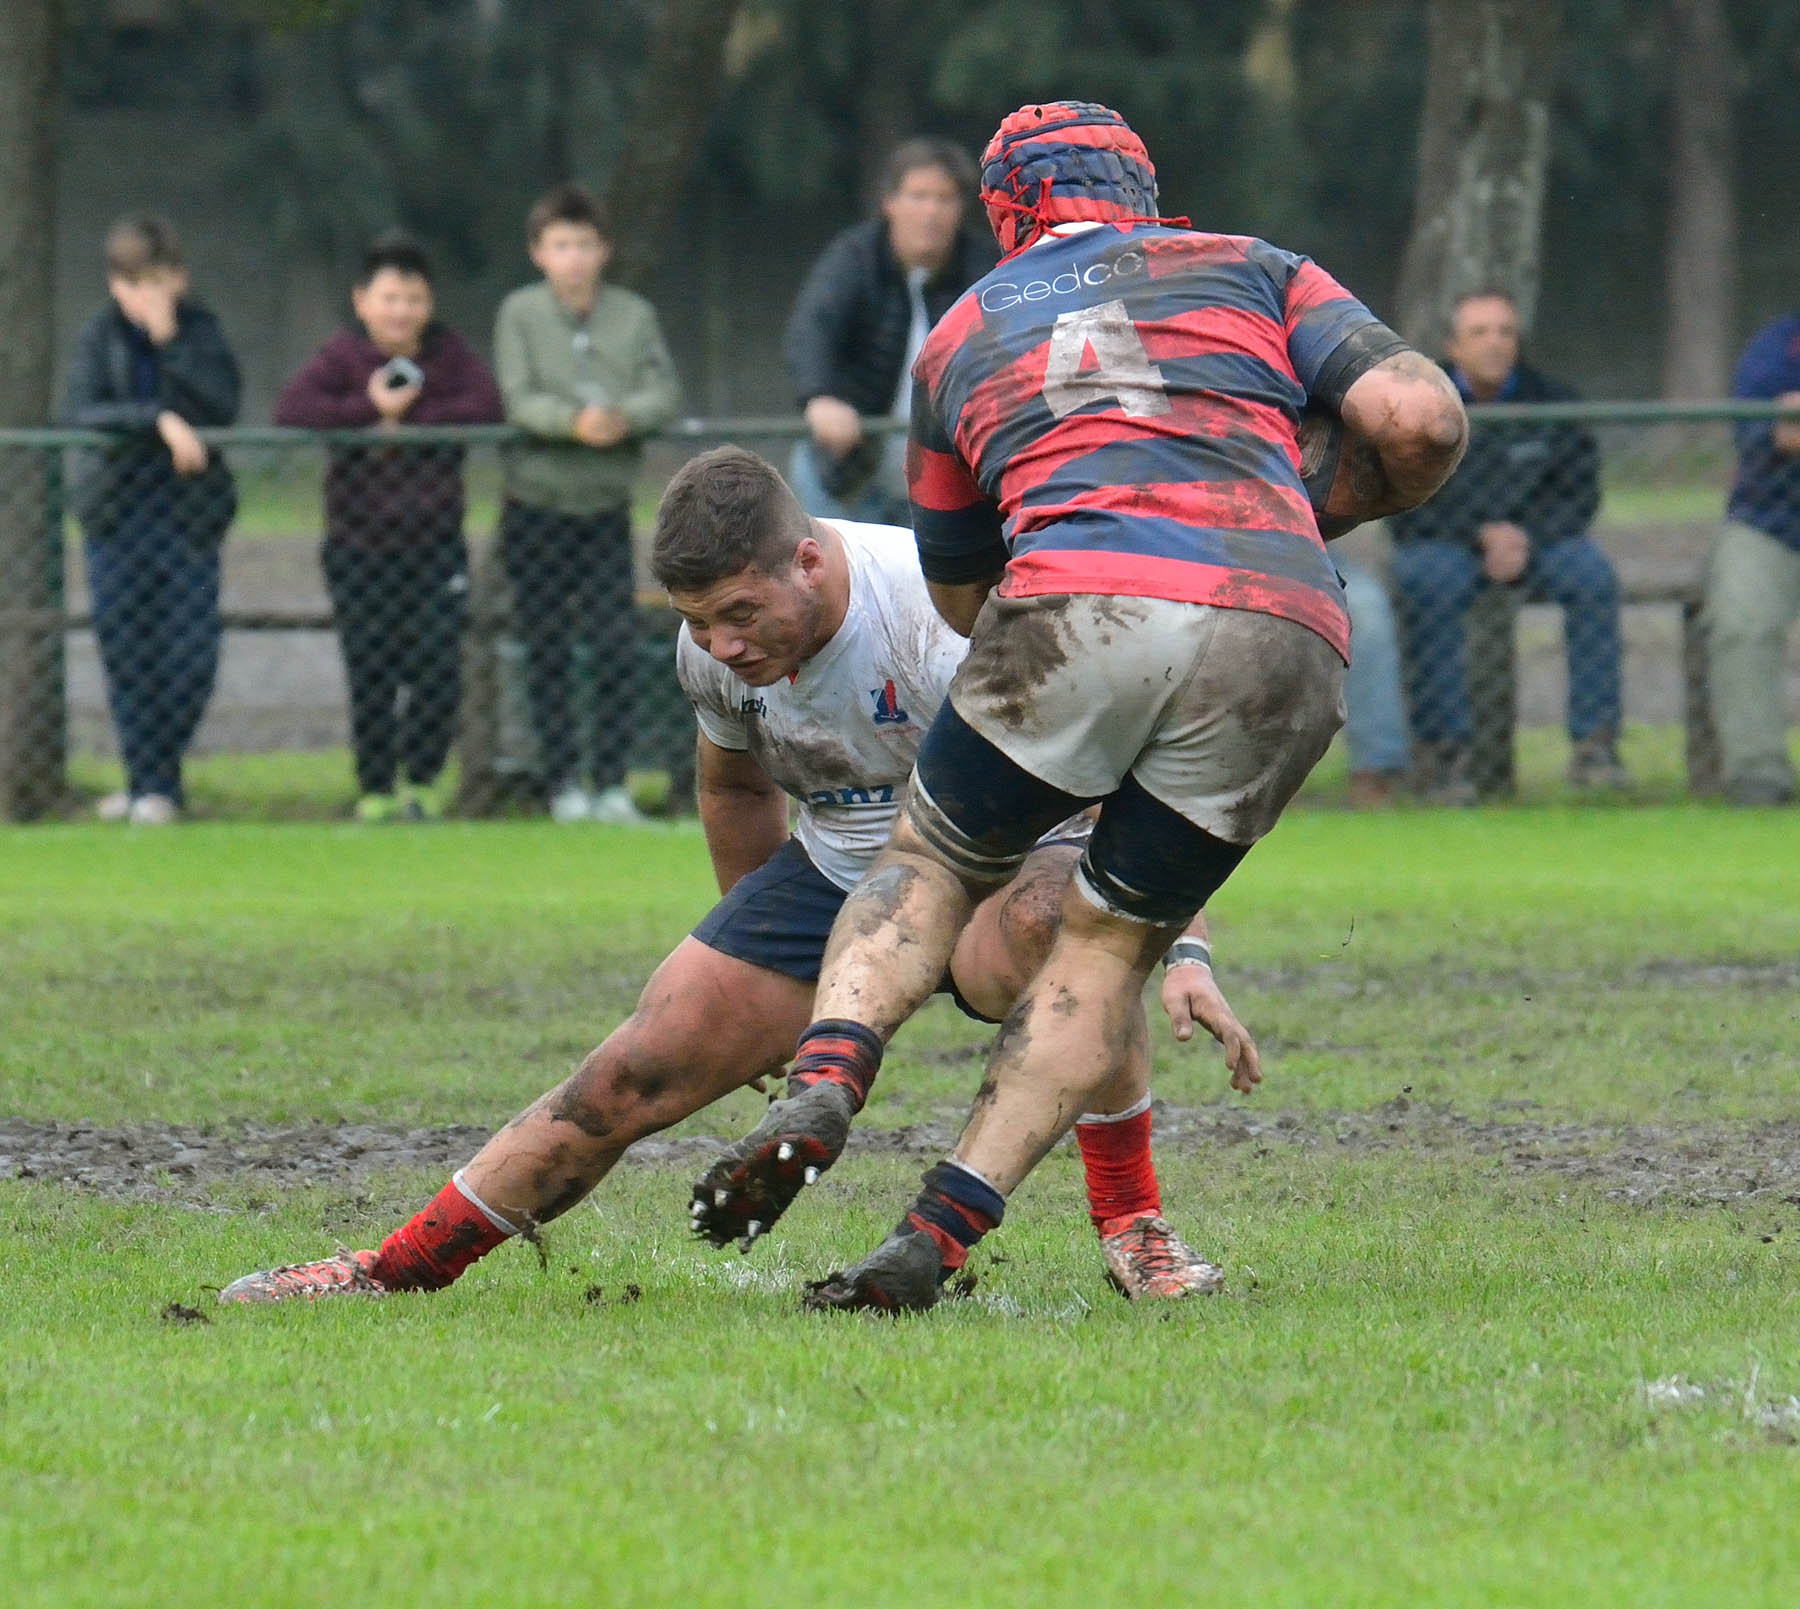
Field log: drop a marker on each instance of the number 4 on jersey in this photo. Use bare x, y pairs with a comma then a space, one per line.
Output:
1096, 355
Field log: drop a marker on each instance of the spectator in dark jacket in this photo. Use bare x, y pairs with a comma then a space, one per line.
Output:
1753, 581
394, 554
861, 317
154, 506
1516, 514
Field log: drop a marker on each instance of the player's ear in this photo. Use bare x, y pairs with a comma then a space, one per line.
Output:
809, 559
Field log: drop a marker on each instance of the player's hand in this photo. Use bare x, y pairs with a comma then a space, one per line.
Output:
1193, 999
1505, 550
835, 425
186, 448
391, 401
598, 426
1787, 431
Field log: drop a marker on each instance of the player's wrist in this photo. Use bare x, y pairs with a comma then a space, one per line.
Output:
1188, 952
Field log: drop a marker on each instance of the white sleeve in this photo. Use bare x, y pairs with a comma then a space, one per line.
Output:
704, 680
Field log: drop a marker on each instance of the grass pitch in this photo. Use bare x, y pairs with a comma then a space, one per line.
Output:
1511, 1234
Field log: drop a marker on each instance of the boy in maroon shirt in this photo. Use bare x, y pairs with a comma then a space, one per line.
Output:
394, 555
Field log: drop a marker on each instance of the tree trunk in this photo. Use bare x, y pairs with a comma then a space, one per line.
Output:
888, 99
1484, 144
1701, 267
681, 84
32, 728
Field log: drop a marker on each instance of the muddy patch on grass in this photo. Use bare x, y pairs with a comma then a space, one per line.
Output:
180, 1163
1695, 1164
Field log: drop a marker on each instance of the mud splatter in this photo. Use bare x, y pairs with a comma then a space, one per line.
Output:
801, 762
175, 1313
1017, 653
877, 900
569, 1103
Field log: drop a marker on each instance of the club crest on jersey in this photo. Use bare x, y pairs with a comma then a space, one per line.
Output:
887, 706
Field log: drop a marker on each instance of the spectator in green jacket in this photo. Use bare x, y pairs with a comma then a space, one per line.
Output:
582, 367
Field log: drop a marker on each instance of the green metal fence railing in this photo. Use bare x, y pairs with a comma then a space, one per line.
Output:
1662, 476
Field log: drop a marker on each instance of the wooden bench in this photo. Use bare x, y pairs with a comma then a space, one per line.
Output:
1491, 658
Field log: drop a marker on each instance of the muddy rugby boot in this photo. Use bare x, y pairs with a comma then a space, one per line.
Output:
346, 1274
755, 1181
1147, 1260
899, 1276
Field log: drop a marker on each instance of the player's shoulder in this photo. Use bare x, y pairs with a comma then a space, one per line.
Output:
884, 549
885, 578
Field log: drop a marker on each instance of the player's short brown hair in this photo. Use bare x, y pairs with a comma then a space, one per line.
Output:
140, 244
567, 203
724, 512
928, 151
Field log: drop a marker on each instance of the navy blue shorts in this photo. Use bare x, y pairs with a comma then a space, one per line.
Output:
779, 917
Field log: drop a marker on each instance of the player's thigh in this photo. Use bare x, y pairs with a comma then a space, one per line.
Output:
973, 807
706, 1023
738, 991
1011, 932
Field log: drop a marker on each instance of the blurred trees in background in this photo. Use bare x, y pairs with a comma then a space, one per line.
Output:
1484, 149
1666, 163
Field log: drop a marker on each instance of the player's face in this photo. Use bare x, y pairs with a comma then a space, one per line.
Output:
759, 627
1484, 340
394, 308
922, 217
570, 256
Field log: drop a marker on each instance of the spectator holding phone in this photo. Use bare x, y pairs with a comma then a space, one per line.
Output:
154, 505
394, 554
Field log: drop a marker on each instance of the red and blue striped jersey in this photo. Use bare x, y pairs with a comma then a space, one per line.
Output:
1114, 411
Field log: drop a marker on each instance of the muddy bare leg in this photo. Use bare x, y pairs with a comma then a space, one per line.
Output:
893, 939
1075, 1037
887, 953
705, 1024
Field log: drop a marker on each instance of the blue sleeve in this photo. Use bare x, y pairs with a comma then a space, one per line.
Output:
957, 526
1767, 369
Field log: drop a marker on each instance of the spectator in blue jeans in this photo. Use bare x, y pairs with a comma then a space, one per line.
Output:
1375, 715
154, 506
1515, 514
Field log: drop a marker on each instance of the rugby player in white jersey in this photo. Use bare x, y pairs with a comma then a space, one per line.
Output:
815, 661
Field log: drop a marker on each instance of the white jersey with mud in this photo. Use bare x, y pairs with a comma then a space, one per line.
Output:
841, 736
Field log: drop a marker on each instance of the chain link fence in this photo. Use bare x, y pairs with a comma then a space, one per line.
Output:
365, 591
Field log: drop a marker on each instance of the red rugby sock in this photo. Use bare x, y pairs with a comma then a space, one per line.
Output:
1121, 1177
433, 1248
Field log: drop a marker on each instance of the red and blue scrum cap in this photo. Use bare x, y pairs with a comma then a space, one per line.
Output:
1062, 162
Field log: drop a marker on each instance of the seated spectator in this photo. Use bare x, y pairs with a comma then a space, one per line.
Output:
1515, 514
584, 369
1753, 582
1375, 718
154, 506
860, 319
394, 555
